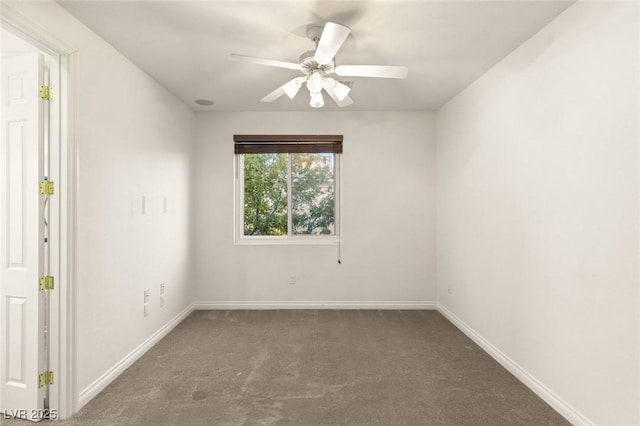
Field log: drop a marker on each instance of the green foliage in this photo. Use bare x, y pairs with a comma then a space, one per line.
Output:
312, 194
265, 194
313, 200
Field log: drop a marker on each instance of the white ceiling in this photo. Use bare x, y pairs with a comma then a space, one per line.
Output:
185, 45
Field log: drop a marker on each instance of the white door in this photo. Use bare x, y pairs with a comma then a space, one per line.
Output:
22, 354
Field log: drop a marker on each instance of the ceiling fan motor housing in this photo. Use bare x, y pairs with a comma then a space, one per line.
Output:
309, 65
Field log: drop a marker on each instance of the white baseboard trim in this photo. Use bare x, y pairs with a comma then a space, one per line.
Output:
550, 397
103, 381
213, 305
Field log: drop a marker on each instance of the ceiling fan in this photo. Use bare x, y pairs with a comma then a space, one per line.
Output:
319, 65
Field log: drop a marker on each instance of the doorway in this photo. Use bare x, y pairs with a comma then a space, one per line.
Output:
36, 297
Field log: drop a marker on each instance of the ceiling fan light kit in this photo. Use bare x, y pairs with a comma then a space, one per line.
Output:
340, 89
317, 101
314, 82
317, 66
292, 87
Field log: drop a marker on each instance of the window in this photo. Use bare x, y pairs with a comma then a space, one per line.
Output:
287, 187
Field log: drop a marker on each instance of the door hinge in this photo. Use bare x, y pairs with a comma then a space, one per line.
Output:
46, 283
46, 93
47, 187
46, 378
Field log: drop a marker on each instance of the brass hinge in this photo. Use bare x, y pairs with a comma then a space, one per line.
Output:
47, 187
46, 93
46, 378
46, 283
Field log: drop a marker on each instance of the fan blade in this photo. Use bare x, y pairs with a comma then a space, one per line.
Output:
346, 101
268, 62
333, 35
290, 88
381, 71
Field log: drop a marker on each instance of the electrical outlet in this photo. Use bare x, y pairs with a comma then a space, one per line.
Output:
161, 295
292, 280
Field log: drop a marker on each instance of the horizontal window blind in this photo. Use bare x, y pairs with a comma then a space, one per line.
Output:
290, 144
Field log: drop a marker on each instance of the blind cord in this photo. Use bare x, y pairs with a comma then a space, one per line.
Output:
340, 212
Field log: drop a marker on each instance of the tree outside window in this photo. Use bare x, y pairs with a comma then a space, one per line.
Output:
289, 194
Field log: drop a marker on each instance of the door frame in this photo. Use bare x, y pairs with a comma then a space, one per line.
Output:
63, 395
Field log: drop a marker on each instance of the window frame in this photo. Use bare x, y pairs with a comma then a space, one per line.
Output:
289, 239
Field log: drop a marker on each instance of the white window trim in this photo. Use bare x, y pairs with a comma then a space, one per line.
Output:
241, 239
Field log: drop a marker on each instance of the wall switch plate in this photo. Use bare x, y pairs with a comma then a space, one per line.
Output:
146, 303
161, 295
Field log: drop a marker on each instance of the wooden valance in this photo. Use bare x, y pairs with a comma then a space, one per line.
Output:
289, 144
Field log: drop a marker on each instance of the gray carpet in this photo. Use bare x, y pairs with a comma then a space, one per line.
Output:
316, 367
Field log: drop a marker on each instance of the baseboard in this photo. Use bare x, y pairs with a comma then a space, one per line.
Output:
550, 397
204, 305
103, 381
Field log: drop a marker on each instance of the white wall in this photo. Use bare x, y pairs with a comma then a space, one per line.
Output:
388, 210
134, 139
538, 209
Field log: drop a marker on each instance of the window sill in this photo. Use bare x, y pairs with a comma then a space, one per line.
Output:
287, 241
